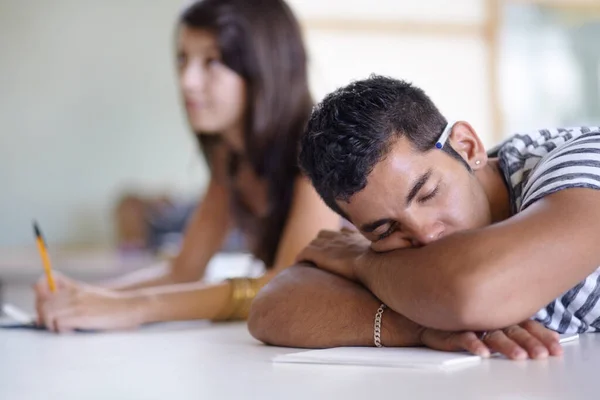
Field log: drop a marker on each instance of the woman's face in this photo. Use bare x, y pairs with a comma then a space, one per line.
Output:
214, 95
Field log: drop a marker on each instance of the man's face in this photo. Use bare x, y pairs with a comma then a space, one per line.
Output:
412, 199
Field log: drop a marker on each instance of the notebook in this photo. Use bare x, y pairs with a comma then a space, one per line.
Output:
408, 357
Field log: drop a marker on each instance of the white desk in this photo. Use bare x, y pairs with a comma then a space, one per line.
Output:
205, 361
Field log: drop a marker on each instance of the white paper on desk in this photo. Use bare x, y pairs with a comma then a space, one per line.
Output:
568, 337
16, 314
408, 357
381, 357
14, 317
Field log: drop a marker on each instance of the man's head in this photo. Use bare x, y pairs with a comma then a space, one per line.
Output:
369, 150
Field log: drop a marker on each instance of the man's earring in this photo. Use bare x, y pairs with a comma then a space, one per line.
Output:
477, 162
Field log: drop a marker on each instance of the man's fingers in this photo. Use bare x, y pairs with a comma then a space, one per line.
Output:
312, 253
454, 341
470, 342
534, 347
517, 342
306, 255
550, 339
499, 342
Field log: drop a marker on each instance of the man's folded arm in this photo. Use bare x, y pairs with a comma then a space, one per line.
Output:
496, 276
310, 308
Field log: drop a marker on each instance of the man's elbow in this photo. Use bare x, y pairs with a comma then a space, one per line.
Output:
260, 319
270, 317
465, 310
476, 303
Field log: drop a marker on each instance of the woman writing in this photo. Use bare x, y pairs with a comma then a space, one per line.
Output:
243, 77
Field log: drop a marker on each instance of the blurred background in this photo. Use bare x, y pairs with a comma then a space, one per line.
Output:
90, 116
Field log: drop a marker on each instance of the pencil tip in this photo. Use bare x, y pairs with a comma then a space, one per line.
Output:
36, 229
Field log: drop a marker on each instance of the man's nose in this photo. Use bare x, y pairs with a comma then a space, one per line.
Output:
424, 235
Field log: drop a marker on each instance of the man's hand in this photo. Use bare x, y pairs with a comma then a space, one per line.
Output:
337, 252
529, 339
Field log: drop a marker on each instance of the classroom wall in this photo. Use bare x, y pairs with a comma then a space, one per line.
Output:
549, 66
89, 107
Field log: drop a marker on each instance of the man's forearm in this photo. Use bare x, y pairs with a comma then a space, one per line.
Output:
431, 285
310, 308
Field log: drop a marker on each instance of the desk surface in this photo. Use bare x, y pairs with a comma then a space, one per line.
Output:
224, 362
201, 360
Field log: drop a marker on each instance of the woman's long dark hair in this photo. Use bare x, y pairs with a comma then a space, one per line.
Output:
262, 42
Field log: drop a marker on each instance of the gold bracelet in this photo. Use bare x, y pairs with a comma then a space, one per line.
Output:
243, 292
227, 310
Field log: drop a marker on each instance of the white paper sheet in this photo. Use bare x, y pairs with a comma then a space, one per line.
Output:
409, 357
381, 357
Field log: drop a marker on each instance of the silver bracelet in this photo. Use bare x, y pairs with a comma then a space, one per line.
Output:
377, 326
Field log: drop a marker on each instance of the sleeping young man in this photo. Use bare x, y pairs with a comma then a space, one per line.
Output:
457, 248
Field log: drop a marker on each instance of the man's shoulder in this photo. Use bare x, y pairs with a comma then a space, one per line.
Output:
561, 159
526, 150
542, 141
523, 155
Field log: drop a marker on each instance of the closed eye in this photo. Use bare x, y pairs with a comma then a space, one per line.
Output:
387, 233
430, 196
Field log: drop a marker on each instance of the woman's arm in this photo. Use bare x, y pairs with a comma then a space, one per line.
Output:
155, 294
308, 215
80, 306
86, 307
204, 236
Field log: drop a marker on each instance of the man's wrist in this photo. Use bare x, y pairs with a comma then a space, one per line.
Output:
399, 331
363, 265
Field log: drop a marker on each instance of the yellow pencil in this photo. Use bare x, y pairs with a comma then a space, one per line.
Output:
41, 244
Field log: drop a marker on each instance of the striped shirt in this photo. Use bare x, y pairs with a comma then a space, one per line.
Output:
540, 163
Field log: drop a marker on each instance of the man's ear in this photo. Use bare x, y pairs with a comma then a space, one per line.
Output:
465, 141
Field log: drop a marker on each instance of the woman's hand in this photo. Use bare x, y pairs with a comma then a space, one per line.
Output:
75, 305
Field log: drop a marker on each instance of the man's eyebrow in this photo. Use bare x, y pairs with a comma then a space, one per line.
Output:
371, 226
417, 187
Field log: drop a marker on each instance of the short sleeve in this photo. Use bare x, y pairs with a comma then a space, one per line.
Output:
576, 164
